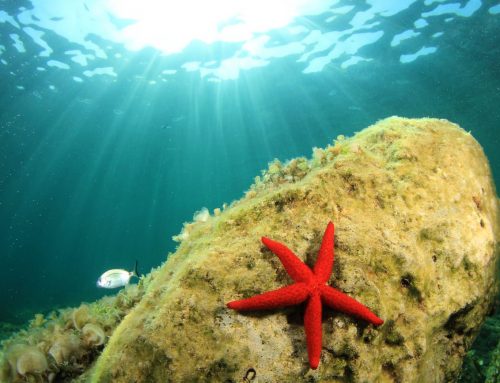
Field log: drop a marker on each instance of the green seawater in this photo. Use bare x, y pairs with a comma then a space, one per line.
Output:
113, 131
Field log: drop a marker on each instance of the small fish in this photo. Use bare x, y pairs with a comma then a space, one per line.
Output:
114, 278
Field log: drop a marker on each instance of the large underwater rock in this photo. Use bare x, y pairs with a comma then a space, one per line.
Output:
416, 217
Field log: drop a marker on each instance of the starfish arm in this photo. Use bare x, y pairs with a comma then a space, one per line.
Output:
324, 262
285, 296
295, 268
344, 303
312, 324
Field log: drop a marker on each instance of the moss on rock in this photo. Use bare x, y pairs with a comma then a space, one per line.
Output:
417, 226
62, 346
417, 222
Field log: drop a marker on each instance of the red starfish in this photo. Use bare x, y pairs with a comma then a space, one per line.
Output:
309, 285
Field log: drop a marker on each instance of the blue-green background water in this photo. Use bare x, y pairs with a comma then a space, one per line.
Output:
97, 171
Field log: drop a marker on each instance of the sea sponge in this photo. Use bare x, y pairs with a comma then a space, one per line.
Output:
93, 335
31, 361
64, 347
80, 316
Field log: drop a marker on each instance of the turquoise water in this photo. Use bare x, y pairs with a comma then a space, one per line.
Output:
117, 124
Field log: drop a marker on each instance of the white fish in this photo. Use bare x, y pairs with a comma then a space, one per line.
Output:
114, 278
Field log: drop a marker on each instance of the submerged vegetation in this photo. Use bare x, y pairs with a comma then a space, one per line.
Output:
374, 187
183, 314
64, 344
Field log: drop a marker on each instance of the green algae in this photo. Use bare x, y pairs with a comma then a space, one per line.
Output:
381, 177
396, 251
63, 337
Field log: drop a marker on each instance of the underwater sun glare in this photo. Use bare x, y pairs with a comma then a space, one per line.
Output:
173, 134
170, 26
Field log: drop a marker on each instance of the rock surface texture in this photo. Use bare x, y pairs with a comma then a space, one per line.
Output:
416, 219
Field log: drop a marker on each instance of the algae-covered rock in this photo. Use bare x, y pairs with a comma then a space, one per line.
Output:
416, 217
63, 346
